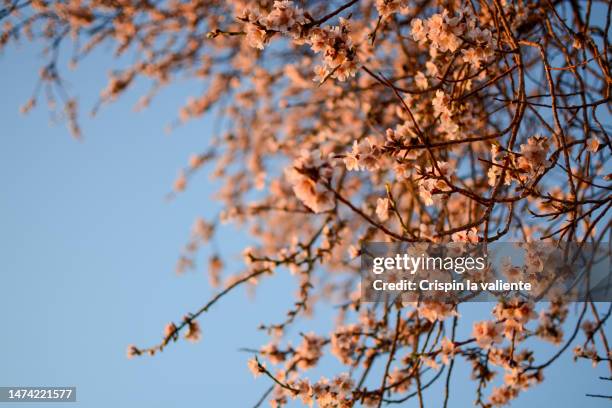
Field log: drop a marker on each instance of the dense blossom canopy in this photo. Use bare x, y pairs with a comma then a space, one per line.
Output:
373, 120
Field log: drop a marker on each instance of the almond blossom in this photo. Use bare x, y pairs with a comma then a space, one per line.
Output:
479, 120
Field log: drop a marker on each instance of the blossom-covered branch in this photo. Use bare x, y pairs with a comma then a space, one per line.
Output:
343, 122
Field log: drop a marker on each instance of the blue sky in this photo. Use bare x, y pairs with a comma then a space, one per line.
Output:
88, 246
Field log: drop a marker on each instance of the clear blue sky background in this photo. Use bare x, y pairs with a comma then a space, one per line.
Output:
87, 253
